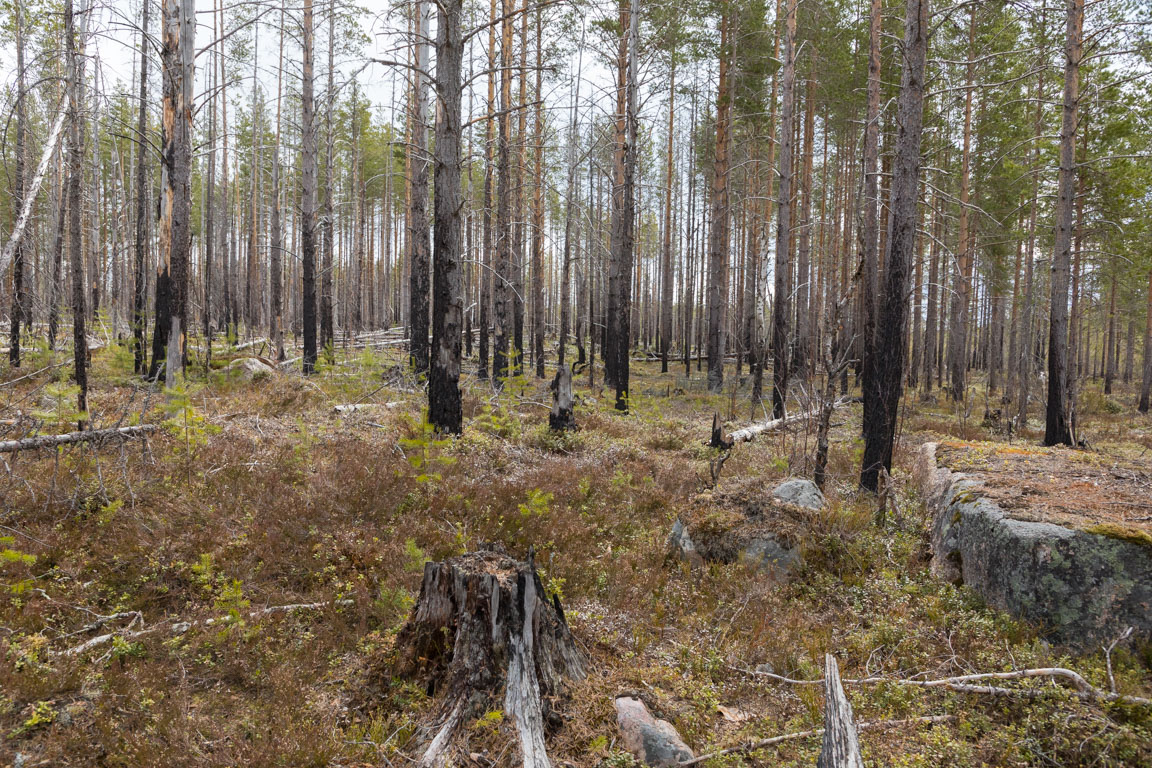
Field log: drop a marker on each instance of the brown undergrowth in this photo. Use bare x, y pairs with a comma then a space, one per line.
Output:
256, 494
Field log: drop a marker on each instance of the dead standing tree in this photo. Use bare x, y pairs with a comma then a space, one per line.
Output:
484, 622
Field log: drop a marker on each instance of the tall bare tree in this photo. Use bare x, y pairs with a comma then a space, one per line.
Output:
720, 234
444, 409
891, 346
1058, 421
780, 299
308, 187
418, 196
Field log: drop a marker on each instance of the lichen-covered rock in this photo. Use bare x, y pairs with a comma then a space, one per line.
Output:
745, 524
651, 741
800, 493
1082, 588
250, 368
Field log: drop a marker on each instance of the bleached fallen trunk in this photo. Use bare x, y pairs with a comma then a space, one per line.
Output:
88, 436
748, 433
34, 187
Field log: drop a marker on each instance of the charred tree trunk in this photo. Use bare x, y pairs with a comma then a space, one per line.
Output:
501, 301
718, 247
892, 321
561, 416
327, 311
666, 270
962, 284
418, 250
486, 266
780, 302
444, 408
483, 627
1057, 428
20, 305
870, 231
308, 192
177, 57
538, 208
1146, 382
75, 151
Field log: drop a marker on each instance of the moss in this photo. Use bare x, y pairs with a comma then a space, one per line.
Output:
1124, 533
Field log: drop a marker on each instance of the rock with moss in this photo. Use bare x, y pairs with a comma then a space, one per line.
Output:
744, 524
1082, 587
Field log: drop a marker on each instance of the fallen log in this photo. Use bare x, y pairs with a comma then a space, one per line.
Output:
752, 746
841, 747
483, 622
87, 436
344, 410
748, 433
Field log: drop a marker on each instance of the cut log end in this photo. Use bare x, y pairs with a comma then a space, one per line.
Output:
483, 623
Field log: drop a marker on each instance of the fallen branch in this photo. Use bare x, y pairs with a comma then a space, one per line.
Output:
752, 746
353, 407
748, 433
962, 683
181, 627
93, 435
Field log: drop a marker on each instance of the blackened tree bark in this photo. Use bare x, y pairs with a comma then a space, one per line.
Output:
571, 228
418, 211
666, 271
892, 319
618, 225
1057, 426
20, 306
75, 253
870, 231
444, 409
308, 189
327, 318
538, 208
486, 266
780, 302
718, 247
501, 303
1146, 383
276, 255
623, 317
962, 283
177, 57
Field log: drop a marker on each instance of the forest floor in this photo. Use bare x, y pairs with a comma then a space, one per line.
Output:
257, 494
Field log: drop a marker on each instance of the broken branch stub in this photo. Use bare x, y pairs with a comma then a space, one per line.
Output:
483, 622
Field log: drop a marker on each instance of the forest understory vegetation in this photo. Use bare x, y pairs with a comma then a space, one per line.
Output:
257, 494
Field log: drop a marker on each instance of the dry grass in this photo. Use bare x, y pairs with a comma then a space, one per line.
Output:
270, 499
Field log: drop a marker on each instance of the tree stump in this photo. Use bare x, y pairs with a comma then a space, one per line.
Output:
484, 622
841, 748
562, 416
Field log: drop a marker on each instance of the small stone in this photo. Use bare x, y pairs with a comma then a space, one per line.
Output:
766, 669
653, 742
